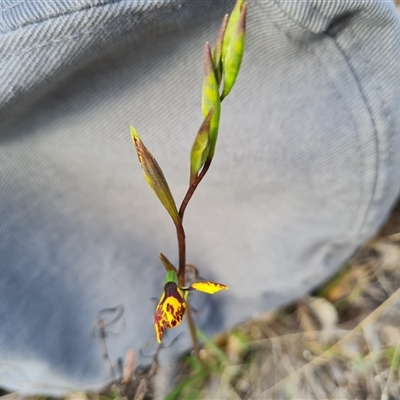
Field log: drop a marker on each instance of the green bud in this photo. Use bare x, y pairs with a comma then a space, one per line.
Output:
233, 46
201, 147
217, 50
155, 177
210, 98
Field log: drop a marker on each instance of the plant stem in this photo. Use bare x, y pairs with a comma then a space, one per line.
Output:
180, 233
192, 189
192, 330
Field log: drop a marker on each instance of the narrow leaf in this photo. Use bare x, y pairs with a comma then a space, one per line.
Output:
210, 98
233, 46
155, 177
201, 147
222, 357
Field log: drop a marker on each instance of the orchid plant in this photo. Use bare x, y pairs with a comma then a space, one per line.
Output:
221, 66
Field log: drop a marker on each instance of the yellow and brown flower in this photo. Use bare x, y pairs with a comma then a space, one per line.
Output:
172, 304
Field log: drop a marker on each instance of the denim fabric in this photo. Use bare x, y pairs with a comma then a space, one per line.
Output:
306, 168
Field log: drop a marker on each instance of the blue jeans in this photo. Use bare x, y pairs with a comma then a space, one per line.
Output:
306, 167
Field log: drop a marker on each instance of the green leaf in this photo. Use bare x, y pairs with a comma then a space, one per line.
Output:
233, 46
167, 264
155, 177
201, 147
210, 98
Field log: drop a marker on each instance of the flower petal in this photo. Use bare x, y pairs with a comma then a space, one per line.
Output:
159, 319
159, 328
208, 287
170, 309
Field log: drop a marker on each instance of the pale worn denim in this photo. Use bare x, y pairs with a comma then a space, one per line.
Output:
306, 168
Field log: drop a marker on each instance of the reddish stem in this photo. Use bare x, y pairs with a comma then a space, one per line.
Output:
192, 330
179, 227
180, 233
192, 188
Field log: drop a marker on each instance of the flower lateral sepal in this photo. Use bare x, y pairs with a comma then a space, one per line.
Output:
167, 264
208, 287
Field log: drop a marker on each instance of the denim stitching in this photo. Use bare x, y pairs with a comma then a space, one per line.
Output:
49, 42
350, 119
2, 10
290, 18
61, 15
385, 114
335, 93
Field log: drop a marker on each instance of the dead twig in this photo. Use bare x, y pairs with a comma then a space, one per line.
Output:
98, 331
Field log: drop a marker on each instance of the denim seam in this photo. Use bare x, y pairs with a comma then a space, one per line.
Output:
314, 9
297, 23
385, 114
377, 141
335, 92
52, 41
66, 14
49, 42
12, 6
